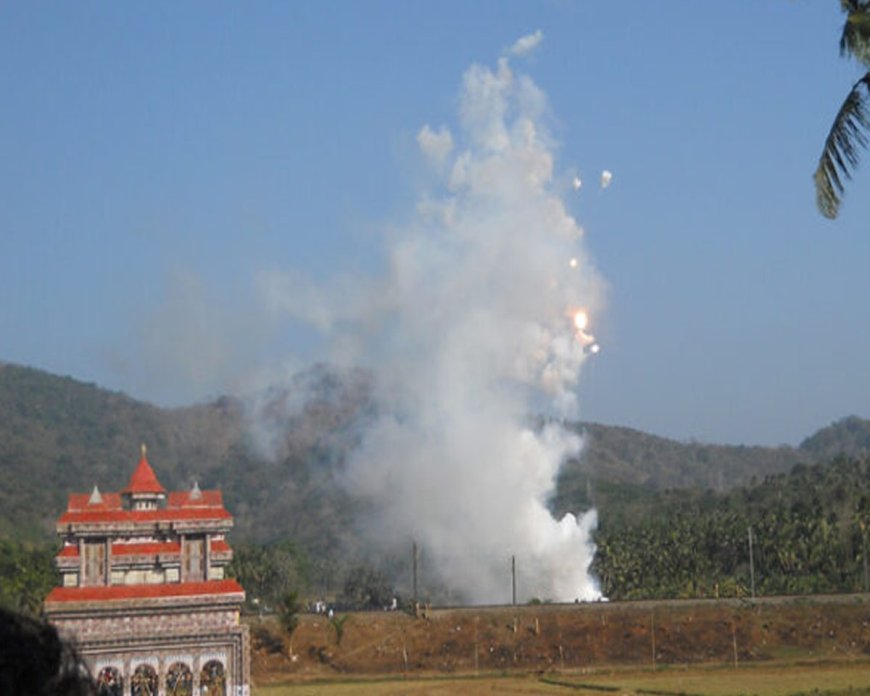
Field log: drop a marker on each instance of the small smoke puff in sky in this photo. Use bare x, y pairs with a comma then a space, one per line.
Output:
606, 178
470, 335
526, 44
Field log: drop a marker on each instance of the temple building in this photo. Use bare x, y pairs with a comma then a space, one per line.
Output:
144, 591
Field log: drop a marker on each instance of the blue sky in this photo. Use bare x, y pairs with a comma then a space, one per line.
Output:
154, 158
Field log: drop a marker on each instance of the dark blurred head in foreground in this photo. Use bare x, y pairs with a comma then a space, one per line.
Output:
34, 661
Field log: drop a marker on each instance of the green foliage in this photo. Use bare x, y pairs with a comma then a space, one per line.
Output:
337, 623
367, 588
27, 575
270, 572
855, 39
848, 437
809, 530
839, 156
288, 611
851, 127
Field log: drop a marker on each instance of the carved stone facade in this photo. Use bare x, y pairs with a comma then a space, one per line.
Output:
144, 593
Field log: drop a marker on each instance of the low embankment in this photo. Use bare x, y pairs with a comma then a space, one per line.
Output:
553, 638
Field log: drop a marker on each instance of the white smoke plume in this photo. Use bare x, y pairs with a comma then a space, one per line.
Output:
526, 44
470, 334
435, 144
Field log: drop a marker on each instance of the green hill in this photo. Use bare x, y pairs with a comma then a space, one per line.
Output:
59, 435
810, 532
848, 436
617, 462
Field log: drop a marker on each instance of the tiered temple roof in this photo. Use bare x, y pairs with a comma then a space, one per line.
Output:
144, 591
143, 542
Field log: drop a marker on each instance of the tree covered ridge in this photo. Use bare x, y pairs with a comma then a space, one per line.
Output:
809, 528
59, 435
809, 531
618, 455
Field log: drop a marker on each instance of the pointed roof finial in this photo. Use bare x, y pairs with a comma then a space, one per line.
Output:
195, 494
144, 450
95, 498
143, 479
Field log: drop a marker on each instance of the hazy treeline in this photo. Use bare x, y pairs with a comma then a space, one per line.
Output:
809, 532
810, 535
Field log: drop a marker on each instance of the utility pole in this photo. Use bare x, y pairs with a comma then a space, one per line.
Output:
414, 568
751, 565
514, 580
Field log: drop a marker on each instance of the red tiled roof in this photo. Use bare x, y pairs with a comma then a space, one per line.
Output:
144, 480
147, 548
206, 499
175, 500
81, 501
121, 592
179, 506
144, 549
219, 546
164, 515
193, 505
70, 551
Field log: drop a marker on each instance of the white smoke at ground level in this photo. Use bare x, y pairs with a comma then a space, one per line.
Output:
469, 332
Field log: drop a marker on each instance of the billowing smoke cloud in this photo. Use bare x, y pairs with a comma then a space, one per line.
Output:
481, 322
435, 144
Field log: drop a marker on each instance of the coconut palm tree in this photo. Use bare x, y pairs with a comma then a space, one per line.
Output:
851, 126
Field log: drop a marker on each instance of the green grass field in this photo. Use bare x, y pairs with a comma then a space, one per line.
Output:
780, 680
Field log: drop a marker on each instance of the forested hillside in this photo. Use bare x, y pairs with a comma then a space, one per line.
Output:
809, 535
278, 461
616, 461
849, 436
59, 435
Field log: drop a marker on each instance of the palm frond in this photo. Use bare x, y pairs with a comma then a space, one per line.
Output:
855, 39
850, 6
839, 159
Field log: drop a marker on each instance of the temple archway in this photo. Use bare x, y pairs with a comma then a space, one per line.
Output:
179, 680
144, 681
212, 679
110, 682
